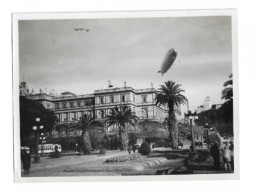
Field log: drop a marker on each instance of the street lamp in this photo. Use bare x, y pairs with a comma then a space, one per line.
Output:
191, 116
42, 138
76, 147
37, 127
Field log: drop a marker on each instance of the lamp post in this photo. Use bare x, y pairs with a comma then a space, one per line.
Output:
207, 127
36, 128
42, 138
191, 116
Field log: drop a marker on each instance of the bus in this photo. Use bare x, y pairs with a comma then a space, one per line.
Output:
48, 148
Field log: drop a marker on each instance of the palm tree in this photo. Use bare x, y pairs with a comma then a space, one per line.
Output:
86, 123
170, 95
121, 117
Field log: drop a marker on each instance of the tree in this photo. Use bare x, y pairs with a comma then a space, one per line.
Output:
227, 95
122, 117
97, 138
87, 123
29, 111
184, 131
152, 131
170, 95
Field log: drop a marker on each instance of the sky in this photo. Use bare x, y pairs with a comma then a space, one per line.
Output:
53, 55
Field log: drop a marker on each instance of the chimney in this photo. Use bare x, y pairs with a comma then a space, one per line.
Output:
125, 84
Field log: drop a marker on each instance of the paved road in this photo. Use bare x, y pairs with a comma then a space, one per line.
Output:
56, 166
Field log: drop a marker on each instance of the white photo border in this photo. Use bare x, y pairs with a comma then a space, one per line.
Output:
16, 17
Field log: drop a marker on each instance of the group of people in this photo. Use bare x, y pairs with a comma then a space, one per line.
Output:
131, 148
198, 144
228, 156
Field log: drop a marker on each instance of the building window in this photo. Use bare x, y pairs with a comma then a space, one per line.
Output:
101, 100
133, 98
57, 105
122, 98
64, 105
48, 106
88, 102
102, 114
57, 117
144, 98
71, 104
111, 98
66, 117
78, 104
73, 116
145, 113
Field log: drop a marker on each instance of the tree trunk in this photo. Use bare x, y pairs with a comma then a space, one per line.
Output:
86, 142
175, 137
170, 125
123, 139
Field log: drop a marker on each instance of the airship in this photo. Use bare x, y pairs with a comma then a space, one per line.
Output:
168, 61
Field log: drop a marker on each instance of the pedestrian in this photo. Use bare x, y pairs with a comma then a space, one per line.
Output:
214, 150
191, 148
231, 148
134, 148
129, 149
227, 159
26, 160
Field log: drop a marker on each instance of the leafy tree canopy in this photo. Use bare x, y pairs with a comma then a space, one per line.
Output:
29, 111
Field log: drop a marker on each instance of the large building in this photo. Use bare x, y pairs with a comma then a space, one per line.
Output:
69, 107
206, 105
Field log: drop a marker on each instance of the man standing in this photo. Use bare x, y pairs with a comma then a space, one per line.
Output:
216, 156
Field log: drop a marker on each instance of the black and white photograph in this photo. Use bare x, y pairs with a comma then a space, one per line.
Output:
126, 95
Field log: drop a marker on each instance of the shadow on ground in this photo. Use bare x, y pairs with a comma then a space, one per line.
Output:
170, 155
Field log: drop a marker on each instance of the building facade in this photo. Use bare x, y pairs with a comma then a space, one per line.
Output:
69, 107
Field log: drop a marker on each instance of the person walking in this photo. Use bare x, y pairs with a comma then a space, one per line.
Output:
129, 149
26, 160
216, 155
227, 159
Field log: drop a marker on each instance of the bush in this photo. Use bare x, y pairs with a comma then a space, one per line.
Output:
123, 158
55, 154
145, 149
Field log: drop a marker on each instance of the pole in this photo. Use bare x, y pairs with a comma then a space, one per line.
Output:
192, 137
37, 158
42, 147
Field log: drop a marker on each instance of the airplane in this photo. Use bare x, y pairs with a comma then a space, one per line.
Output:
81, 29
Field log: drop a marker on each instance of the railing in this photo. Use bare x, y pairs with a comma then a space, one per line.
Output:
145, 90
113, 89
73, 97
124, 89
